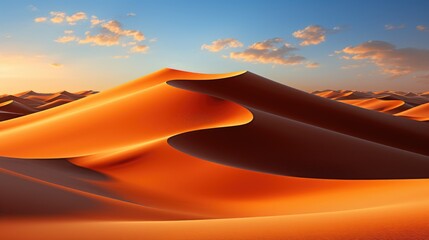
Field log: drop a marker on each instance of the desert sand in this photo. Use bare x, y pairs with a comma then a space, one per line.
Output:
180, 155
20, 104
404, 104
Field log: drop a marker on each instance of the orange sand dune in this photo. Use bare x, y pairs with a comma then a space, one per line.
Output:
419, 113
392, 102
376, 104
8, 115
54, 103
192, 156
16, 107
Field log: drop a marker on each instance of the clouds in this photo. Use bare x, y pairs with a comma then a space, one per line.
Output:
390, 59
76, 17
101, 32
221, 44
139, 49
311, 35
422, 28
65, 39
273, 51
40, 19
393, 27
57, 17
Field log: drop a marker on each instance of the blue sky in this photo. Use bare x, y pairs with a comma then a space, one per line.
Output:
337, 56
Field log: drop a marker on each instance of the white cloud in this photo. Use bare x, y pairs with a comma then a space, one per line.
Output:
131, 14
220, 44
271, 51
68, 31
393, 27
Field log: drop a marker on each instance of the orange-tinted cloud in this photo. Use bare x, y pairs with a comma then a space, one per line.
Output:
121, 57
57, 17
311, 35
116, 27
101, 39
65, 39
273, 51
139, 49
111, 34
57, 65
40, 19
95, 21
220, 44
391, 60
312, 65
76, 17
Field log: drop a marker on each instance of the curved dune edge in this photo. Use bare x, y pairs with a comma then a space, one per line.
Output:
140, 111
419, 113
288, 142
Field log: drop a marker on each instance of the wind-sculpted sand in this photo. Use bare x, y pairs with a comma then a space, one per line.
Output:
180, 155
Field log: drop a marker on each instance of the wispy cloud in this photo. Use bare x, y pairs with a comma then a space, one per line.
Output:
131, 14
32, 8
121, 57
422, 28
40, 19
390, 59
271, 51
57, 65
221, 44
312, 65
393, 27
139, 49
65, 39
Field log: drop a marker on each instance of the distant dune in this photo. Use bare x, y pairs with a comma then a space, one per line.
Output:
394, 102
180, 155
25, 103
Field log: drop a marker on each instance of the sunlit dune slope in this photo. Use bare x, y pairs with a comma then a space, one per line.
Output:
376, 104
141, 111
420, 113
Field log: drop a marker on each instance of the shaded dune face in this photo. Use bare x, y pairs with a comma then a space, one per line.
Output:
175, 145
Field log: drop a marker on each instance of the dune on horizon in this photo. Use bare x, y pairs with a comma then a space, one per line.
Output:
181, 155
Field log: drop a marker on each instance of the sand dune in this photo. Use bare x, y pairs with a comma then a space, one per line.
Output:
219, 151
419, 113
29, 102
393, 102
